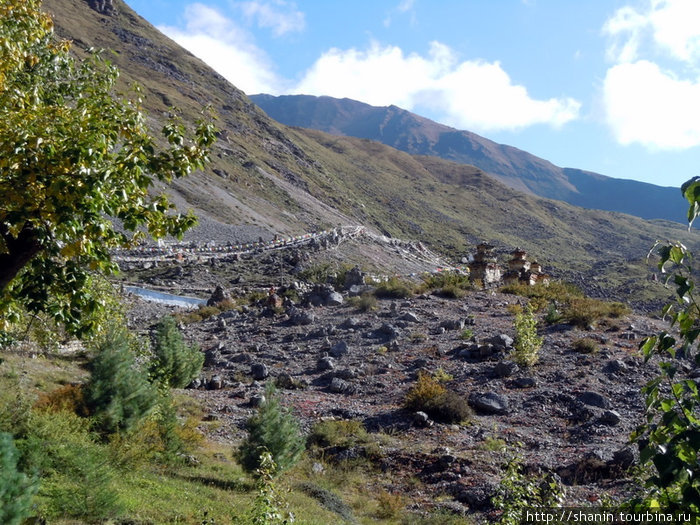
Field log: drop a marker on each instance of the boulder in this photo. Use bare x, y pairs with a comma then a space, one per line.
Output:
334, 299
259, 371
489, 403
219, 296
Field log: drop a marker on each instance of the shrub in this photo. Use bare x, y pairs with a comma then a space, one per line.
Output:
69, 398
338, 433
76, 475
585, 311
16, 488
541, 295
585, 345
447, 284
175, 364
118, 393
366, 302
394, 288
553, 315
466, 334
517, 492
271, 429
430, 396
390, 504
527, 343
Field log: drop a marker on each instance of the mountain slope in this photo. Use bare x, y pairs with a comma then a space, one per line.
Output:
516, 168
272, 179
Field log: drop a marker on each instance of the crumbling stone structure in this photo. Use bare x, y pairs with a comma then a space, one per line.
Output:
484, 267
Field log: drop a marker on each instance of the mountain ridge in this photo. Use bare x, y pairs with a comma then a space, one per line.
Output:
274, 179
514, 167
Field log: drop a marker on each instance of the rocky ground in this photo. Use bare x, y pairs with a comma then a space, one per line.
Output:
570, 414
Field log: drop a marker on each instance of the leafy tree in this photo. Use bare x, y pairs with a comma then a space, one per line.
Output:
74, 156
669, 441
118, 392
175, 364
272, 429
16, 489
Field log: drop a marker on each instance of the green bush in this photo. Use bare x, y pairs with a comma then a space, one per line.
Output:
527, 343
585, 311
271, 429
394, 288
174, 364
118, 393
517, 492
429, 395
366, 302
585, 345
16, 488
338, 433
447, 284
76, 474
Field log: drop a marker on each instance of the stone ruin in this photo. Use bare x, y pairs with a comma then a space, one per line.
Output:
486, 269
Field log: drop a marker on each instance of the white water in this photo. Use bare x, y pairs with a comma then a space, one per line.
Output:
166, 298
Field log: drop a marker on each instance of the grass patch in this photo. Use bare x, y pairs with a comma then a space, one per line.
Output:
446, 284
394, 288
367, 302
585, 345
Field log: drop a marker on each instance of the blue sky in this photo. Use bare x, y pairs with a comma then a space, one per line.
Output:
611, 86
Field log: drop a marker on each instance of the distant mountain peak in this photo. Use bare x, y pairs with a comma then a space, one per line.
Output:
516, 168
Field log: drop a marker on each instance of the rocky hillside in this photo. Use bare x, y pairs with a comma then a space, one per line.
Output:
518, 169
267, 179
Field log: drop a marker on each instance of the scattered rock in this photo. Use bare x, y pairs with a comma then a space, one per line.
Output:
489, 403
259, 371
219, 296
339, 349
593, 399
505, 368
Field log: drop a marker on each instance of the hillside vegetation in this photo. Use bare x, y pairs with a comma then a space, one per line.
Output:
286, 180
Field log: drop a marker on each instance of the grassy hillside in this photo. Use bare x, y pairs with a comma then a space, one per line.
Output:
292, 180
516, 168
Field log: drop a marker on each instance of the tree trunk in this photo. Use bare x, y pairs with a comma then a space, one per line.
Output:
20, 250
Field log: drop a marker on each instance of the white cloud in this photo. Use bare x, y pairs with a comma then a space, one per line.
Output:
280, 16
470, 94
650, 94
227, 48
647, 105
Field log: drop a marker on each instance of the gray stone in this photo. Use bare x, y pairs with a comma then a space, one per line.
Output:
505, 368
339, 386
334, 299
624, 458
298, 316
215, 383
326, 363
257, 399
453, 324
339, 349
259, 371
410, 317
219, 296
610, 417
614, 366
525, 382
489, 403
593, 399
501, 341
421, 420
354, 277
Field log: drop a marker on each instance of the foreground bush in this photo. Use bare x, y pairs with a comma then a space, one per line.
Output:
430, 396
77, 478
174, 364
447, 284
16, 488
272, 429
118, 393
